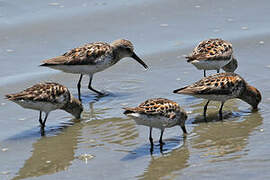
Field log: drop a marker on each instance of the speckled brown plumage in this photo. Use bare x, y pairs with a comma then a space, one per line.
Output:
48, 92
216, 49
213, 54
47, 97
88, 54
92, 58
157, 106
158, 113
221, 87
219, 84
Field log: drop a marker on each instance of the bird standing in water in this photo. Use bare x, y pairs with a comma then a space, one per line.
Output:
46, 97
158, 113
213, 54
222, 87
92, 58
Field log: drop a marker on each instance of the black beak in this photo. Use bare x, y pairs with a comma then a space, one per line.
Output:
134, 56
177, 90
255, 109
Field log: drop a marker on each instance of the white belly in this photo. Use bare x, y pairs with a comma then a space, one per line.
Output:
40, 106
80, 69
102, 63
221, 98
159, 122
210, 64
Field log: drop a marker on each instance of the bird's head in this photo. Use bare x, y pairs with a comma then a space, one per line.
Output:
124, 48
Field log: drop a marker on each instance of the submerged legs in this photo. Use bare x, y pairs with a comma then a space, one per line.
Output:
89, 86
42, 123
205, 109
184, 129
150, 136
79, 87
160, 139
40, 118
151, 140
92, 89
220, 111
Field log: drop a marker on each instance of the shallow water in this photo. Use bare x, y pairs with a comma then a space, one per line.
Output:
106, 144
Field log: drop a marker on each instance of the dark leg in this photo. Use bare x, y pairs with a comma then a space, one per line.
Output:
161, 148
151, 141
184, 129
151, 150
150, 137
40, 118
42, 131
43, 123
79, 87
160, 139
92, 89
220, 111
217, 70
205, 109
204, 73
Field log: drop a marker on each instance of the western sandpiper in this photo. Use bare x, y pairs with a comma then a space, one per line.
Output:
46, 97
92, 58
221, 87
158, 113
213, 54
231, 66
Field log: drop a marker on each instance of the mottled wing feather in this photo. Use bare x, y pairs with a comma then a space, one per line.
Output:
217, 49
158, 106
218, 84
60, 60
88, 54
48, 92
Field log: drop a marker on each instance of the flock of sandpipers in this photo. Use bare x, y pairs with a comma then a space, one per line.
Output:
161, 113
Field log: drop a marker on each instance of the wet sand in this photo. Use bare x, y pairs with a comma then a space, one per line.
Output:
162, 33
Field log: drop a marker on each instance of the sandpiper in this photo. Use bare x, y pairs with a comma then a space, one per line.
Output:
46, 97
231, 66
158, 113
92, 58
221, 87
213, 54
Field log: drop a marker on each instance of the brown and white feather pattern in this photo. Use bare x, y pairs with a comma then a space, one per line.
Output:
212, 49
43, 92
229, 84
88, 54
157, 106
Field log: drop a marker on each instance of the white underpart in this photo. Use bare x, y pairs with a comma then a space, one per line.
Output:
85, 69
42, 105
159, 122
221, 98
209, 64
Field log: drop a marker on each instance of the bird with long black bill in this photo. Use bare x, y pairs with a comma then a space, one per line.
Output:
92, 58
